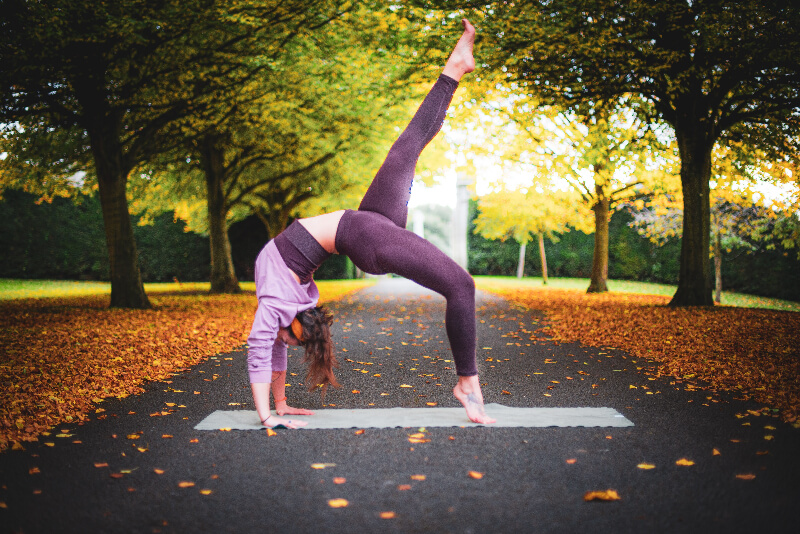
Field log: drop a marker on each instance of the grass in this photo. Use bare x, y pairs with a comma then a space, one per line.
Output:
21, 289
739, 300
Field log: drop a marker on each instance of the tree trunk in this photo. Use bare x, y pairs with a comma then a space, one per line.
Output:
598, 283
127, 290
694, 282
544, 259
521, 263
718, 266
223, 276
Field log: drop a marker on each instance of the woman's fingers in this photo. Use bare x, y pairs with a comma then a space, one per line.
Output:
277, 422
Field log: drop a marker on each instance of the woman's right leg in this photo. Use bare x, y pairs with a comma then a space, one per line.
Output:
391, 188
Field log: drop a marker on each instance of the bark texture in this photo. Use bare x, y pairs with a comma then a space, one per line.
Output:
544, 259
694, 283
127, 290
223, 276
599, 280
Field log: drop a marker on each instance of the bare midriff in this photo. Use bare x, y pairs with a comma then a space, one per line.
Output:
323, 229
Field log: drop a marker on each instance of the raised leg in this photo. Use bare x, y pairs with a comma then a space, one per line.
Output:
391, 188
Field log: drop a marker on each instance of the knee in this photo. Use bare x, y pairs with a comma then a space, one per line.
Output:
463, 285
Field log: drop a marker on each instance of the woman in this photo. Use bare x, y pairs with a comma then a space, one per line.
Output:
375, 238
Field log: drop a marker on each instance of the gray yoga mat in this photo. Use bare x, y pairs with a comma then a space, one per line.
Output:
506, 416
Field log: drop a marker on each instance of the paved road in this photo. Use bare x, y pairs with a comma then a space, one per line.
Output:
534, 478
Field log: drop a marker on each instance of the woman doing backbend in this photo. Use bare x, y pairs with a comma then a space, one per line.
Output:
375, 239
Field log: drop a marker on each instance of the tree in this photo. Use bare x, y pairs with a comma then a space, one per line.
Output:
305, 129
525, 212
712, 70
609, 157
741, 216
104, 98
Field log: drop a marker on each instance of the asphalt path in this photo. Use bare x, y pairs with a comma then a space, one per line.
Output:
139, 466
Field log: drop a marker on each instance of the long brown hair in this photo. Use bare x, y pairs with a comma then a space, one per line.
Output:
316, 323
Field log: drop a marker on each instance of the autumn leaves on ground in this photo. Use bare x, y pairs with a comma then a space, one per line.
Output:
61, 355
752, 352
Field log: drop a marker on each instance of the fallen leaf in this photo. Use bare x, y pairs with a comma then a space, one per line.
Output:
697, 352
338, 503
606, 495
476, 475
322, 466
684, 461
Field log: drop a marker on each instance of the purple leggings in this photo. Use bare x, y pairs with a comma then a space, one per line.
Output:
376, 240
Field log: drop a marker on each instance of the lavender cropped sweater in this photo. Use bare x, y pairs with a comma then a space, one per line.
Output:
280, 299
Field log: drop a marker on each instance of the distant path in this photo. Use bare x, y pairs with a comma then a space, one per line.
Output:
534, 479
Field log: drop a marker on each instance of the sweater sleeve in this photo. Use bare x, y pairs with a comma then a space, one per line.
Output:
260, 343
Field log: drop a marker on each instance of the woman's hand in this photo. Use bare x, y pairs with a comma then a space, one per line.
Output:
280, 422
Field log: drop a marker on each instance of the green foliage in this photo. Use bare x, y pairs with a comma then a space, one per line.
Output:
64, 240
711, 70
51, 240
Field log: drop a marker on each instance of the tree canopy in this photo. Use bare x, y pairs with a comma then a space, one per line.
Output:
106, 98
711, 70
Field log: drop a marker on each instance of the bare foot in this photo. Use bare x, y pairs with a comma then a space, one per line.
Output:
461, 61
273, 422
284, 409
468, 393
